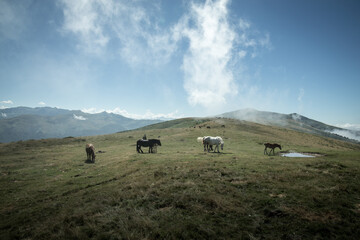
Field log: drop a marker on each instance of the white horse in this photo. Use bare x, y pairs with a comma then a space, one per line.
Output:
206, 145
214, 141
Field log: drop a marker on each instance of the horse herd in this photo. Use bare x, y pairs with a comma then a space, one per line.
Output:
207, 141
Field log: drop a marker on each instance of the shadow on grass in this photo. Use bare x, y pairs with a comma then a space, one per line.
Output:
220, 153
89, 161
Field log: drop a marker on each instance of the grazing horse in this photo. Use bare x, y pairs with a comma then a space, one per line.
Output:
147, 143
206, 145
214, 141
272, 147
90, 152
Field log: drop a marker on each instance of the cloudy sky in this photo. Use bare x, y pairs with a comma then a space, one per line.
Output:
183, 58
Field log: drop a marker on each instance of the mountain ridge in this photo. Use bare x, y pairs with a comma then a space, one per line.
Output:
24, 123
293, 121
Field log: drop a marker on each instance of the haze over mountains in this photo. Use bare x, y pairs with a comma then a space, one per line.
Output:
23, 123
293, 121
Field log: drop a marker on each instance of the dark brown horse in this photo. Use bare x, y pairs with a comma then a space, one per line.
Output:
90, 152
151, 143
272, 146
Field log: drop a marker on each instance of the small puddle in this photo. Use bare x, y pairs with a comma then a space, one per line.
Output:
295, 154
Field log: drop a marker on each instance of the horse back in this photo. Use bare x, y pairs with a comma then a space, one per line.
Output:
272, 145
143, 143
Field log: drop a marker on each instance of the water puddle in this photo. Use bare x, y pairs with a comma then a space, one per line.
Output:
295, 154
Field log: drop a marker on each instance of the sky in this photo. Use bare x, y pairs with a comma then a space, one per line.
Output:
183, 58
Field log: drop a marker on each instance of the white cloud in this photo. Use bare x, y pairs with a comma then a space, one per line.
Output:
208, 78
215, 47
243, 24
249, 38
84, 18
355, 135
81, 118
215, 44
132, 27
125, 113
7, 102
92, 110
349, 126
242, 54
42, 103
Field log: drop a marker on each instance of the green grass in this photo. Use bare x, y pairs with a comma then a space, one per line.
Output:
49, 192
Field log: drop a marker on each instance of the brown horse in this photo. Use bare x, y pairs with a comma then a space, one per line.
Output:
90, 152
272, 147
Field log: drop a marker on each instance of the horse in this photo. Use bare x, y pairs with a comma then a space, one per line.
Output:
90, 152
206, 145
147, 143
272, 146
214, 141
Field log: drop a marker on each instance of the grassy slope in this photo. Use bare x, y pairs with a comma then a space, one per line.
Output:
49, 192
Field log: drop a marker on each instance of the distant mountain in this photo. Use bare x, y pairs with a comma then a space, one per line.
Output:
293, 121
23, 123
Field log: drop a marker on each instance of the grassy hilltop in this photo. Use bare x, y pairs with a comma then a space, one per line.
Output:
181, 192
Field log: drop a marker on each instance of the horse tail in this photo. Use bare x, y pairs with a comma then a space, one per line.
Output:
200, 139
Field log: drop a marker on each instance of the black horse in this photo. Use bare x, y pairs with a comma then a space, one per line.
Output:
147, 143
272, 147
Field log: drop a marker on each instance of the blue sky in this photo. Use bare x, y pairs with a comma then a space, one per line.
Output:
183, 58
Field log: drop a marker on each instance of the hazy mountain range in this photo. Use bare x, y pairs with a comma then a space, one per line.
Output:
23, 123
293, 121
